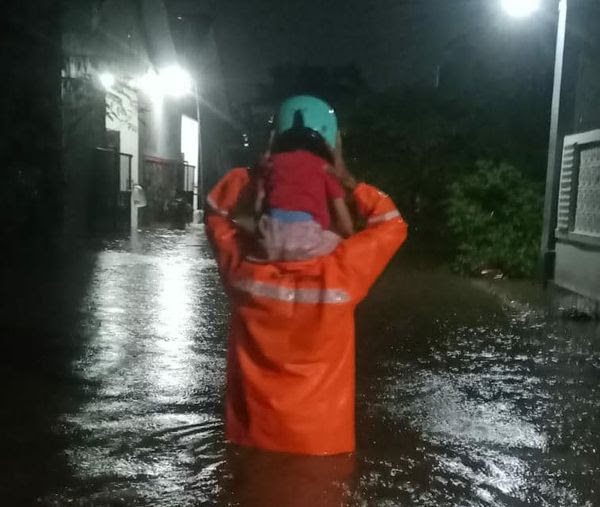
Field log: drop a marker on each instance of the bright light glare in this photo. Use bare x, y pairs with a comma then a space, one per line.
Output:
520, 8
107, 80
176, 81
173, 81
151, 86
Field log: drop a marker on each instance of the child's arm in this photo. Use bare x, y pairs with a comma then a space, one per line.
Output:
261, 194
334, 184
263, 170
339, 208
343, 217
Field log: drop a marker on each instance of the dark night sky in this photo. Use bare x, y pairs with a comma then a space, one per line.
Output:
394, 42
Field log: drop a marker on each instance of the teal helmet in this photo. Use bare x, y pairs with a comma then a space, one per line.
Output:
308, 112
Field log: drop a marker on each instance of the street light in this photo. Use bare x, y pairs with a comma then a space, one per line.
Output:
175, 81
521, 8
107, 80
172, 81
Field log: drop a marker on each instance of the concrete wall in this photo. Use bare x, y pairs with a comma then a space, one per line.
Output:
127, 125
160, 123
578, 269
576, 260
160, 141
189, 140
83, 131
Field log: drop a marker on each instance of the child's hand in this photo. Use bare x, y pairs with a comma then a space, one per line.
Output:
343, 217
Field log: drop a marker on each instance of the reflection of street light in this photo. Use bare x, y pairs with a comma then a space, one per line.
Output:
107, 80
520, 8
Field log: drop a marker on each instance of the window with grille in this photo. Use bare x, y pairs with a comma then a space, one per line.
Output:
579, 194
587, 209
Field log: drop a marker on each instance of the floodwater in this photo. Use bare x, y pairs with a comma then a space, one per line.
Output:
112, 377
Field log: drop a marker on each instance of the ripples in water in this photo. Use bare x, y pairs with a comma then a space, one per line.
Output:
461, 400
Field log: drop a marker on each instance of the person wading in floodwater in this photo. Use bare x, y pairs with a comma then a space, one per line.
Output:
291, 354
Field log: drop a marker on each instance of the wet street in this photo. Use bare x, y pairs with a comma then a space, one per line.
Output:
112, 378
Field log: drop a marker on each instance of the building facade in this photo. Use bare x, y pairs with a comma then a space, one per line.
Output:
571, 240
137, 81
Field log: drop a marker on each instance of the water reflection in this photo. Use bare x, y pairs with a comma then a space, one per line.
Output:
461, 401
256, 478
170, 365
481, 409
147, 367
447, 411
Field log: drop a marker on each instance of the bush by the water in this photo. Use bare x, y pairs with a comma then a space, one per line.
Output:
495, 220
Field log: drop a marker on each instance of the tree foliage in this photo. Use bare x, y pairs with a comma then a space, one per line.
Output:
495, 220
31, 191
406, 143
337, 85
416, 143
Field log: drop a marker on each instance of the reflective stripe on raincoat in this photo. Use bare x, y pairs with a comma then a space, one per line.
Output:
291, 355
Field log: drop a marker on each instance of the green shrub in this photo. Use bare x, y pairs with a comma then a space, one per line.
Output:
495, 220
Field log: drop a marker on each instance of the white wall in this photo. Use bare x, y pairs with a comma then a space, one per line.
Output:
189, 145
189, 140
122, 115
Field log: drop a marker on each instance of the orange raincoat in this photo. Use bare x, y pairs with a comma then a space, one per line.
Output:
291, 357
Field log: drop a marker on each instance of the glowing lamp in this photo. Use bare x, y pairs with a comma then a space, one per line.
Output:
521, 8
107, 80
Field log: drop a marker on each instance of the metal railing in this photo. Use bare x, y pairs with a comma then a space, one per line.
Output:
110, 190
163, 180
188, 177
122, 166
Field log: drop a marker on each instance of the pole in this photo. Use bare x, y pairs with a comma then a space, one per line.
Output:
199, 169
554, 149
